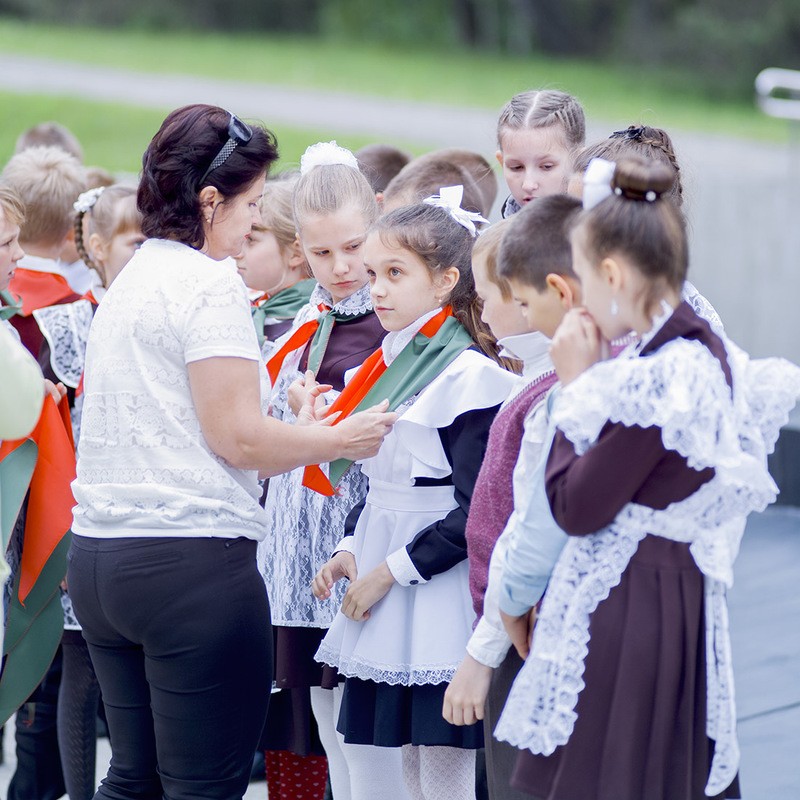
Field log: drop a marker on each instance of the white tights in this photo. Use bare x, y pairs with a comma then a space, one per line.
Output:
439, 773
357, 771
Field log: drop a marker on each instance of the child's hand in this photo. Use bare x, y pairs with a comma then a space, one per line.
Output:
365, 592
465, 697
304, 397
577, 345
520, 630
342, 565
55, 390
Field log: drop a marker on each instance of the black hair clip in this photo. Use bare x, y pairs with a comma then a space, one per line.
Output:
633, 132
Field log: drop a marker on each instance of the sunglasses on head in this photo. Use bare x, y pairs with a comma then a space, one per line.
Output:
238, 133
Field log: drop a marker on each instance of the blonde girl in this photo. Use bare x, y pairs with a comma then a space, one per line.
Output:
273, 266
333, 207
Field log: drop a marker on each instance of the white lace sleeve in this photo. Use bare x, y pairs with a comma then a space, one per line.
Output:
702, 307
218, 321
682, 390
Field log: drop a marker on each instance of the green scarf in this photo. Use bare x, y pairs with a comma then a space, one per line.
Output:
11, 307
421, 360
282, 305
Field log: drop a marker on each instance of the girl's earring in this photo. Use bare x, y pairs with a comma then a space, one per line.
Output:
614, 307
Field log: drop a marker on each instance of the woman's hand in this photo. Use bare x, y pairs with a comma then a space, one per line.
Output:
341, 565
366, 591
362, 434
576, 345
465, 698
520, 630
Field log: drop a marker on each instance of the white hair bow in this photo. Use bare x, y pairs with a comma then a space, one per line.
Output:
326, 154
597, 182
86, 200
449, 198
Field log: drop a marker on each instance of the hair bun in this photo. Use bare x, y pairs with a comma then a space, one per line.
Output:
639, 179
326, 154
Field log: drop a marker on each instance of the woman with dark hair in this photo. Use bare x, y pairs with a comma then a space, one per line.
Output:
162, 570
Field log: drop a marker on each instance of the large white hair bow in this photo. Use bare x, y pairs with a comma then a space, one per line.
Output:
325, 154
597, 182
449, 198
86, 200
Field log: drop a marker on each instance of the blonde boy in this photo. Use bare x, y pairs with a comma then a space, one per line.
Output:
48, 180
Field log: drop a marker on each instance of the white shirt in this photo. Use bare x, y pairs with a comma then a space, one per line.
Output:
144, 467
489, 642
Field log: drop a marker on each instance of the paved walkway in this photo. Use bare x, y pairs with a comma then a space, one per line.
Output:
742, 196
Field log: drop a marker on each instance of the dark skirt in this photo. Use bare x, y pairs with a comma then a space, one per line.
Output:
391, 716
290, 723
641, 727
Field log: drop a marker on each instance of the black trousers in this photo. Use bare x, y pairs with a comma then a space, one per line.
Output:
179, 634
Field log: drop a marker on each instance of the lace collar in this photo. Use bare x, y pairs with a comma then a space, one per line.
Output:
532, 349
395, 341
355, 305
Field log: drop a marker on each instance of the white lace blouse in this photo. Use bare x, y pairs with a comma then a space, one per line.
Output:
144, 467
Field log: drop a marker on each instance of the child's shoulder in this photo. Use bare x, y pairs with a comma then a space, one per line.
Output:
470, 382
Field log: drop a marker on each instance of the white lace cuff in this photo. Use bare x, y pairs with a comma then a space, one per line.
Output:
403, 569
346, 545
488, 645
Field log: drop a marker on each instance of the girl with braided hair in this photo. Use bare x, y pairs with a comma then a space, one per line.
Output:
654, 145
108, 230
536, 134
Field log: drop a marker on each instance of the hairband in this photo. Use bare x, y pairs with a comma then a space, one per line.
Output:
86, 201
449, 198
324, 154
633, 132
634, 194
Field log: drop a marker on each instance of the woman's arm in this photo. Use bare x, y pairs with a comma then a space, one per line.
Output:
227, 399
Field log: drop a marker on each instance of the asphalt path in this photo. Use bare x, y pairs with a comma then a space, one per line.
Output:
742, 196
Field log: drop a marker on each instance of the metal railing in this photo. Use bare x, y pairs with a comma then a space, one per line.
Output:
778, 92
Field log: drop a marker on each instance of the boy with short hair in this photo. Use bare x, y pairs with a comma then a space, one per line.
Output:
48, 180
534, 261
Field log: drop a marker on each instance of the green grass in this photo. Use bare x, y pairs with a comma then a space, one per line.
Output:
115, 136
613, 94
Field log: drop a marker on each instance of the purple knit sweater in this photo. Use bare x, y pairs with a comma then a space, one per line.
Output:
493, 495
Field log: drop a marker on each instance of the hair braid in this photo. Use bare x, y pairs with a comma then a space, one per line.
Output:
659, 144
80, 246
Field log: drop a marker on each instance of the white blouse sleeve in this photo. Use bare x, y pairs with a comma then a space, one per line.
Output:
218, 322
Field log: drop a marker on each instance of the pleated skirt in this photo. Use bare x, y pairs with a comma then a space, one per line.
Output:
391, 716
